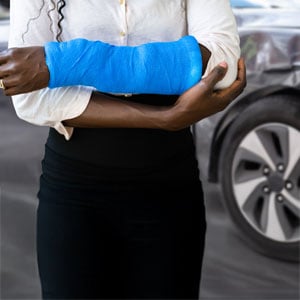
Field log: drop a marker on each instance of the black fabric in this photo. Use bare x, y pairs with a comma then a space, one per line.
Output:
120, 224
124, 147
120, 243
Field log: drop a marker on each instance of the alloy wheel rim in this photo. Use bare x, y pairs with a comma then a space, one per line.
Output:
266, 181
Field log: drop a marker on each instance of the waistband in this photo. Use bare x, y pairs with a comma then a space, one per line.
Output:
63, 171
123, 148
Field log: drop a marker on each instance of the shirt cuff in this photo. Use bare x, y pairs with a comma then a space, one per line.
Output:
81, 104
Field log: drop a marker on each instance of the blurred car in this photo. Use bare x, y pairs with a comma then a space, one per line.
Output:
254, 145
4, 23
5, 3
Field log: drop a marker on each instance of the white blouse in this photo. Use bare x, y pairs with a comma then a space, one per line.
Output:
118, 22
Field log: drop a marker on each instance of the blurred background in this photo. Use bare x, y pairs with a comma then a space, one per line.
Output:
249, 158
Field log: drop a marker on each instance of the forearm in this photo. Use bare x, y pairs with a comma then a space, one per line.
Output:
107, 112
104, 111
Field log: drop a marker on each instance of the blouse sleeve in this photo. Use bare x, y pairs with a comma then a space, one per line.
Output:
214, 26
30, 25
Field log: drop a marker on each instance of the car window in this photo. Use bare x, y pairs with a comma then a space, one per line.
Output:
246, 3
4, 10
265, 4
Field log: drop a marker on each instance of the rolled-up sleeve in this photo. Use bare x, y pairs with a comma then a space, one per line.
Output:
214, 26
46, 107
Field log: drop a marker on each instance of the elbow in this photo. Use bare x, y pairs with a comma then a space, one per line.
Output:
229, 54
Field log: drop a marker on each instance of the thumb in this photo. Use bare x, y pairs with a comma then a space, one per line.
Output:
216, 74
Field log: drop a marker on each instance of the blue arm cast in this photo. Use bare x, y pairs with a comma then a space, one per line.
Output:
168, 68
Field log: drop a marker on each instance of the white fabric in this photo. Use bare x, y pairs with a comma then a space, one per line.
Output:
119, 22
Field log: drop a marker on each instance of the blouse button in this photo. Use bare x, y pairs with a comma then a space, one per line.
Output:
122, 33
121, 2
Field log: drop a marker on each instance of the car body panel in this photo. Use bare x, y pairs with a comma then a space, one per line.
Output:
270, 44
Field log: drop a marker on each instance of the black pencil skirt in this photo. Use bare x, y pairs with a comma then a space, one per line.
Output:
121, 215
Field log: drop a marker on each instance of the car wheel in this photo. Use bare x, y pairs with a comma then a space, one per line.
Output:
260, 175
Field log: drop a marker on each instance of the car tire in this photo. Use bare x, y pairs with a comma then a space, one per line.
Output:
260, 175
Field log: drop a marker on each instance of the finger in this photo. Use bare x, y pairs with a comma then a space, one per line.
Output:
216, 75
6, 84
3, 57
10, 91
11, 81
4, 70
4, 87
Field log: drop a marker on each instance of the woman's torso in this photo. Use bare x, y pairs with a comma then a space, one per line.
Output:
129, 22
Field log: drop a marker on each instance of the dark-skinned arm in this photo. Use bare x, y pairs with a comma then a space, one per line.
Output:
195, 104
24, 70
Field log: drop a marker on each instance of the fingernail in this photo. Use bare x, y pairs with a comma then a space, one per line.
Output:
223, 64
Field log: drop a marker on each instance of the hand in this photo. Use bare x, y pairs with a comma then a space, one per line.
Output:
23, 70
202, 100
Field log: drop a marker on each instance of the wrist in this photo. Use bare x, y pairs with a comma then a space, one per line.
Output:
171, 119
